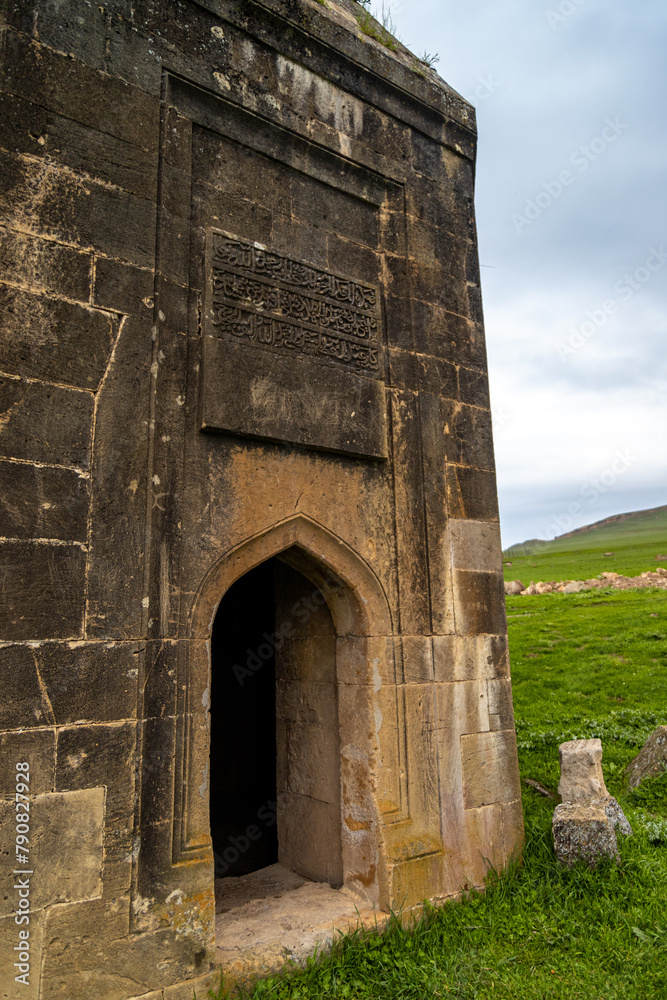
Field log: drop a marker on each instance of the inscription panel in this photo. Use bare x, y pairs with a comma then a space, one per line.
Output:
280, 304
291, 352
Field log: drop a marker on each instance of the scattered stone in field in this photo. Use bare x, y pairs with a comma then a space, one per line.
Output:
586, 822
514, 587
661, 558
651, 759
606, 555
582, 831
651, 578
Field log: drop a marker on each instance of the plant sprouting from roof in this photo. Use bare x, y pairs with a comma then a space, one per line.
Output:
383, 30
429, 59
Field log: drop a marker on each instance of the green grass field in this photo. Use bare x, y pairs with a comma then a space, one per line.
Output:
635, 543
585, 665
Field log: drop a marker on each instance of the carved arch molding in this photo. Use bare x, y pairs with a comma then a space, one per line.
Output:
363, 627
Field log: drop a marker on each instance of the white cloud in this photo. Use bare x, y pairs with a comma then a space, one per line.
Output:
560, 421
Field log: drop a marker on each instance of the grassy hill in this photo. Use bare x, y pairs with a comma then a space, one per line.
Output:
635, 539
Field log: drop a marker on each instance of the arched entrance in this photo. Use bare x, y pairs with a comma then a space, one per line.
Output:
275, 761
343, 629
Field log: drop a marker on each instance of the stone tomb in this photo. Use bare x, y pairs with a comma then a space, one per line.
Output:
252, 638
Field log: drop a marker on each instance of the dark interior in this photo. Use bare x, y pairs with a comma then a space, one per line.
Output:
243, 727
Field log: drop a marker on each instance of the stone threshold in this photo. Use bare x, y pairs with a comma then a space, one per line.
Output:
274, 917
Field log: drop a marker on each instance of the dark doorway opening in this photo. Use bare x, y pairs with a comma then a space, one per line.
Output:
243, 803
275, 768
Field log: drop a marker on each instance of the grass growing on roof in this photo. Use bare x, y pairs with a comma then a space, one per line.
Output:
382, 33
583, 665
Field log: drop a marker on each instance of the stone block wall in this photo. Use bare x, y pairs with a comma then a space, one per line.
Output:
241, 318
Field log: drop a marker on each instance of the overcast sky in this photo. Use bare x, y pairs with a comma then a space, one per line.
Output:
571, 99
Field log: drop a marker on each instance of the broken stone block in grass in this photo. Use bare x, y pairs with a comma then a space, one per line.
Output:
586, 823
651, 759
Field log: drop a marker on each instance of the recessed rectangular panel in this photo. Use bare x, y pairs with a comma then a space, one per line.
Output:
292, 352
263, 395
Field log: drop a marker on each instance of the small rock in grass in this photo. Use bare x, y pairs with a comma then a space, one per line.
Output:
651, 759
514, 587
574, 587
585, 824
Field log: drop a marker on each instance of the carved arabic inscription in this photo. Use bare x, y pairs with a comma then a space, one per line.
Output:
259, 297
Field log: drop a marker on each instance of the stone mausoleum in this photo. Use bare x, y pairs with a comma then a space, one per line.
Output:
253, 652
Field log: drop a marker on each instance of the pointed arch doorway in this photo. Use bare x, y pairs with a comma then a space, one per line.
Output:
275, 758
332, 577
